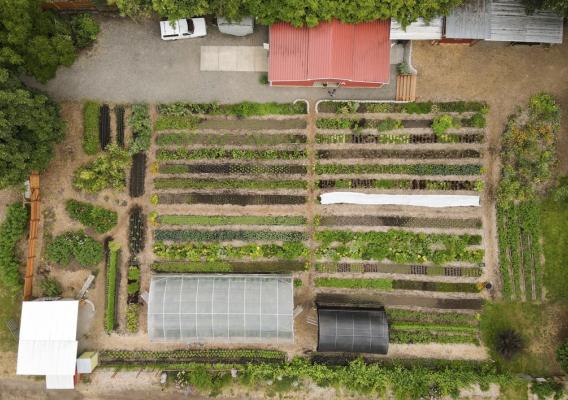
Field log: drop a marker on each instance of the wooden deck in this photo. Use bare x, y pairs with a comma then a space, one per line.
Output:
406, 88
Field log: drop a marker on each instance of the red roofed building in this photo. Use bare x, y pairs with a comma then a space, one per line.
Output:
351, 55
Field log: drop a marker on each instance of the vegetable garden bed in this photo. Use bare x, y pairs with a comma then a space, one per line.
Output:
136, 231
181, 183
401, 138
119, 114
253, 169
224, 236
112, 261
413, 184
223, 139
229, 266
137, 174
406, 169
347, 107
396, 220
230, 220
416, 269
230, 154
391, 284
235, 199
388, 153
253, 124
104, 126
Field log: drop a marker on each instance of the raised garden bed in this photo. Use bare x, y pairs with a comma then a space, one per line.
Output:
182, 183
252, 124
136, 231
432, 270
223, 236
252, 169
104, 126
236, 199
403, 138
230, 220
91, 118
112, 261
348, 107
119, 114
137, 174
223, 139
396, 284
418, 222
133, 291
388, 153
229, 266
406, 169
411, 184
230, 154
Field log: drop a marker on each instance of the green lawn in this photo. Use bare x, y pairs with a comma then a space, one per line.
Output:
10, 305
554, 222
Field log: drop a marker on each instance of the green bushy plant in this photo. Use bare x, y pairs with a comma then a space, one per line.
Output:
91, 112
389, 124
562, 356
84, 30
214, 153
547, 390
98, 218
441, 123
337, 123
111, 275
352, 283
141, 126
346, 107
107, 171
11, 232
221, 235
404, 69
508, 343
75, 245
50, 287
132, 311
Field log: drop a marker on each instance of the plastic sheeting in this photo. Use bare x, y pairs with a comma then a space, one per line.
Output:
418, 200
354, 331
224, 308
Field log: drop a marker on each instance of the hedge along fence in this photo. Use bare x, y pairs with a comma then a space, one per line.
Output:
394, 153
350, 107
403, 169
398, 220
12, 231
230, 220
181, 183
250, 169
241, 110
409, 184
223, 139
225, 266
216, 251
224, 236
236, 199
401, 138
209, 356
98, 218
430, 270
112, 252
399, 246
231, 154
91, 113
104, 126
392, 284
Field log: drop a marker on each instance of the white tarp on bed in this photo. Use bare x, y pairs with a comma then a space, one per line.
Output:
419, 200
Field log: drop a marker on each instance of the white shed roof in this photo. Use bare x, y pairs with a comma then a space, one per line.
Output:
48, 339
418, 30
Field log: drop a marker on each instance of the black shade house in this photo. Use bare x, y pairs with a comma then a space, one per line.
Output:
353, 330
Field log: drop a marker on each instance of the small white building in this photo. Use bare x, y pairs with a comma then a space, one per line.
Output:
48, 341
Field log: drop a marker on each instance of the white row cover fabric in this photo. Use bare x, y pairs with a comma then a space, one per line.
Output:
224, 308
418, 200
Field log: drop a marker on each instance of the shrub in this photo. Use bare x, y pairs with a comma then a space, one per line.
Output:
441, 123
50, 287
404, 69
562, 356
75, 245
508, 343
91, 112
141, 126
547, 390
84, 30
11, 232
389, 124
107, 171
263, 79
478, 119
298, 283
98, 218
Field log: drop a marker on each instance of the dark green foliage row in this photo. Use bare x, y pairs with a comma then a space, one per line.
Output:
353, 283
107, 171
176, 122
253, 169
402, 138
431, 270
398, 246
171, 183
141, 126
231, 154
50, 287
410, 108
216, 251
111, 285
222, 236
436, 286
98, 218
230, 220
136, 230
390, 284
397, 220
11, 232
222, 139
404, 337
241, 110
438, 318
398, 184
74, 245
236, 199
209, 355
407, 169
91, 112
221, 267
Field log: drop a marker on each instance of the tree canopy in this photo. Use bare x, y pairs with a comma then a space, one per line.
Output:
296, 12
558, 6
29, 127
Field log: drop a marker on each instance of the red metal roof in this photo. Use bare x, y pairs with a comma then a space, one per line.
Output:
330, 51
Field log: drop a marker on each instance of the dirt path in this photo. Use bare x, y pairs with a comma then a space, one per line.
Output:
505, 77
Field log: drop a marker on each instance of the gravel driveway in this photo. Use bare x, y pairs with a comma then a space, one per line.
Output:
130, 63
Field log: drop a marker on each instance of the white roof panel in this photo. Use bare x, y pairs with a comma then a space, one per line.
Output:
419, 30
60, 382
420, 200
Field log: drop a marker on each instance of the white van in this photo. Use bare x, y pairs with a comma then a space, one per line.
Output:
187, 28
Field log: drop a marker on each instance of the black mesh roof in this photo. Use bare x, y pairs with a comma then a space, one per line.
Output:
353, 330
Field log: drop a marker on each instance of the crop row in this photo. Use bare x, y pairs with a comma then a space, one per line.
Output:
98, 218
430, 270
137, 174
402, 138
112, 250
136, 231
252, 169
224, 266
91, 115
119, 113
235, 199
243, 109
398, 246
395, 284
224, 236
223, 139
384, 125
181, 183
133, 291
421, 337
397, 220
349, 107
394, 153
439, 318
209, 355
230, 220
406, 169
104, 126
230, 154
215, 251
414, 184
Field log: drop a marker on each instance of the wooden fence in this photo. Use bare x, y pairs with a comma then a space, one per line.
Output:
34, 224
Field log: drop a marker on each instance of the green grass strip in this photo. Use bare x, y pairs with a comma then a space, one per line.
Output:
176, 122
382, 284
406, 169
91, 112
191, 267
402, 337
405, 326
181, 183
111, 272
230, 220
